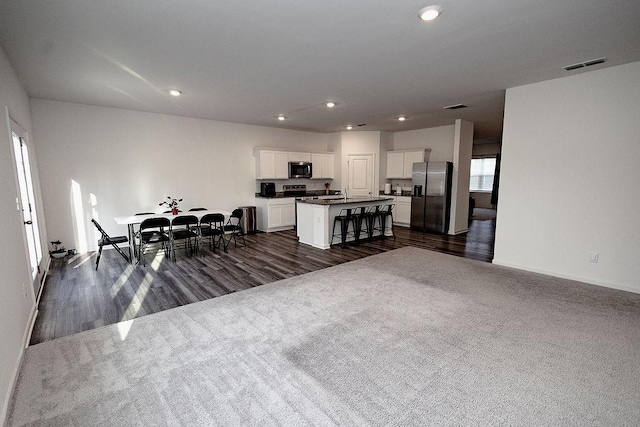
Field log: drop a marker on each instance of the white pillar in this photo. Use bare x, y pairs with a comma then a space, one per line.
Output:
462, 150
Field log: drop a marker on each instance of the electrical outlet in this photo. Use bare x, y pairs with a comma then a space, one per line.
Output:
593, 257
24, 289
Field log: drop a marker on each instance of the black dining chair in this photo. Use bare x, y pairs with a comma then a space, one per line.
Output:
152, 231
106, 240
198, 209
233, 227
211, 227
182, 229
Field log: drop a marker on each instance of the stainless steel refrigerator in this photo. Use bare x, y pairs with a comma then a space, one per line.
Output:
431, 199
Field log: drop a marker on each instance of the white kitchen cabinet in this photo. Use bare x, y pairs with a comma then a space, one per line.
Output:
402, 211
299, 157
282, 165
400, 163
272, 164
411, 157
275, 214
395, 164
322, 166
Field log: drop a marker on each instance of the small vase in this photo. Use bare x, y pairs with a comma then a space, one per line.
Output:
174, 211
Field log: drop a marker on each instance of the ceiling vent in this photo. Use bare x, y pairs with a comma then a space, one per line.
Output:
584, 64
455, 107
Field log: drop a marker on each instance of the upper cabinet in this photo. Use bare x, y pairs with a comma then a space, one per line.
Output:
322, 166
299, 157
274, 164
400, 163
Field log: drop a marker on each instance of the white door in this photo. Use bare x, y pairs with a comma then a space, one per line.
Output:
27, 203
360, 175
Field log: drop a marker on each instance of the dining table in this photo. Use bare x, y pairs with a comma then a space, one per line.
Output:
132, 220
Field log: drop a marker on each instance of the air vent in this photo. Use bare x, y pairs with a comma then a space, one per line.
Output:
584, 64
455, 107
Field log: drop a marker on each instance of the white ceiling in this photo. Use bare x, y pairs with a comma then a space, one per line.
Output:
249, 61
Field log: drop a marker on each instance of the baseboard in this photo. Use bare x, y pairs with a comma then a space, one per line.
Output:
456, 232
16, 369
569, 277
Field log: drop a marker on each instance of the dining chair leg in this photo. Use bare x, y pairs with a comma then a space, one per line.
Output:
99, 255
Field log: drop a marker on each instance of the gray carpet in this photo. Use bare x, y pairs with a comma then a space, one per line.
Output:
408, 337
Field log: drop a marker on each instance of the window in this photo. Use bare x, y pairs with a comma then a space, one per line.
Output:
482, 171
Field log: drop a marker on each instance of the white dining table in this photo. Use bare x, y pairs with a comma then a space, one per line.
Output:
132, 220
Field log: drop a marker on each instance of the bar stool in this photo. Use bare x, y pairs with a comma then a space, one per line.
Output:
361, 217
374, 214
386, 212
344, 218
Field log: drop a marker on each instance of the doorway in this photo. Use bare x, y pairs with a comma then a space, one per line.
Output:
26, 203
360, 174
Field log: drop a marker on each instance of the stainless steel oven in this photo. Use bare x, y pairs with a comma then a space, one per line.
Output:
300, 170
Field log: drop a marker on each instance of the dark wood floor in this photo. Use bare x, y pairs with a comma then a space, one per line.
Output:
78, 298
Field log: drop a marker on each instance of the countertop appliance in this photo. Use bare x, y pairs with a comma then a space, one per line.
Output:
431, 197
387, 188
267, 189
300, 169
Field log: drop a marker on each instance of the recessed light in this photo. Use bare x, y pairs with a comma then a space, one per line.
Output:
429, 13
175, 92
402, 118
281, 118
330, 104
349, 127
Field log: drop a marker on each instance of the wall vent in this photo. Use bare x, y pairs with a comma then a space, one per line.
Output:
584, 64
455, 107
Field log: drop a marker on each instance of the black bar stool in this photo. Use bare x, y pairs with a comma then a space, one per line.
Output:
387, 212
344, 218
375, 213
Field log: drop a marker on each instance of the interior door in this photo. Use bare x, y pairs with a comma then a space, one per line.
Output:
360, 175
27, 203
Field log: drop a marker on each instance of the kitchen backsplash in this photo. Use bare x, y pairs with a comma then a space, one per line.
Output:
312, 184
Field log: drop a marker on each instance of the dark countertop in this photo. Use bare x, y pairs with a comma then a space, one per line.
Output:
393, 193
310, 193
345, 202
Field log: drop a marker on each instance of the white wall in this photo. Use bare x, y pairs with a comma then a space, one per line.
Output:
438, 139
126, 161
15, 309
366, 142
570, 177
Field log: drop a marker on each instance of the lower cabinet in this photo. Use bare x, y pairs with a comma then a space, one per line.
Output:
275, 214
402, 211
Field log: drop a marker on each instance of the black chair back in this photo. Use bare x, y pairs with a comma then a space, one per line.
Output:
154, 223
104, 234
198, 209
184, 220
237, 213
215, 218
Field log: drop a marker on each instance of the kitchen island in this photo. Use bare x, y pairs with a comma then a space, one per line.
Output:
314, 220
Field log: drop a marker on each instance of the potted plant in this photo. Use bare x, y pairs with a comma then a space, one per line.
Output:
59, 251
172, 204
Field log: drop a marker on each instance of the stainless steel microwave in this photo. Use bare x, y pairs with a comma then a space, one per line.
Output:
300, 170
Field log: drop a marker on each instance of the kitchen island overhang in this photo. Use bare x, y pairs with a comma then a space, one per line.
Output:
315, 218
